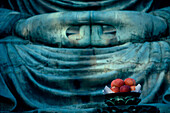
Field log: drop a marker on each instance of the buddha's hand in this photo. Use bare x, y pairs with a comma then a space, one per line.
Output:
50, 28
131, 26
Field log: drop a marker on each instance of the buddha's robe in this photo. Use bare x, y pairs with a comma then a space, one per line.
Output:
38, 77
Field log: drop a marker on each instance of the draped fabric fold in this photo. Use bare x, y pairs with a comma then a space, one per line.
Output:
8, 20
41, 83
6, 97
41, 6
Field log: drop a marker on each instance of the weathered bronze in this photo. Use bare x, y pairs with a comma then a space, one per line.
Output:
58, 55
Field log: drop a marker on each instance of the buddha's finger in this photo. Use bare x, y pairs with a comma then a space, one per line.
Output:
74, 18
108, 17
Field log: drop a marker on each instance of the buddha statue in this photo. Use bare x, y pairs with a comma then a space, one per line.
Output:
58, 55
